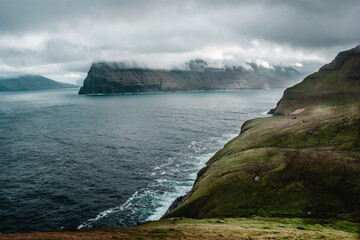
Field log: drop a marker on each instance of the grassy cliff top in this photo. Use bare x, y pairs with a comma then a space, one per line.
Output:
283, 166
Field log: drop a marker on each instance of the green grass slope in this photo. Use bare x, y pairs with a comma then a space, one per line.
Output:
304, 165
336, 83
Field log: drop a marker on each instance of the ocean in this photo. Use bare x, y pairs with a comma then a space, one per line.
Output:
70, 161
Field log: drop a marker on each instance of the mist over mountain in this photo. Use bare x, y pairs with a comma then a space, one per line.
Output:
61, 39
197, 74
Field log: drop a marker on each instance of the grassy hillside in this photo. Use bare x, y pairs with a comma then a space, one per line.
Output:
303, 165
336, 83
308, 167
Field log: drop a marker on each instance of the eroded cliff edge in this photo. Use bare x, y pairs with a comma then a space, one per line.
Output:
305, 162
105, 77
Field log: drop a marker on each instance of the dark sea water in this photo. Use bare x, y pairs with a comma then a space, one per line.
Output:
69, 161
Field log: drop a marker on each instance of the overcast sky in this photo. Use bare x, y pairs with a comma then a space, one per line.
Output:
60, 38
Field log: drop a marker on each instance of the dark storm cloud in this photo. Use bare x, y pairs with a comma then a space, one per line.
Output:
306, 23
59, 38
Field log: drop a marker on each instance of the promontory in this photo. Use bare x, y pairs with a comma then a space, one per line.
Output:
112, 77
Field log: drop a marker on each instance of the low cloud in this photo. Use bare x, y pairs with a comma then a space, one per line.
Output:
62, 38
297, 64
263, 63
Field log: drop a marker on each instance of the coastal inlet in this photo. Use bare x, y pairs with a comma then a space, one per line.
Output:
70, 161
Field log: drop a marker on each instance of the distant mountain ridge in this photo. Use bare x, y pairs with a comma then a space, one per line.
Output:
111, 77
31, 82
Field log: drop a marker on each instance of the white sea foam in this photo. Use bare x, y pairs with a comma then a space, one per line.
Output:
161, 180
103, 214
165, 201
168, 198
151, 202
266, 114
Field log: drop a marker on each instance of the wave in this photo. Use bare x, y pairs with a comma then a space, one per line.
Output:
171, 179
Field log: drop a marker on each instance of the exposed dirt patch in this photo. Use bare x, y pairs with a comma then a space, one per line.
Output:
297, 111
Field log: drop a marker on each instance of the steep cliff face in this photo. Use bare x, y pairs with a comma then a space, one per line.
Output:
303, 164
335, 84
115, 78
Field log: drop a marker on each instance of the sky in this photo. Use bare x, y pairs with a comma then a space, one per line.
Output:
60, 39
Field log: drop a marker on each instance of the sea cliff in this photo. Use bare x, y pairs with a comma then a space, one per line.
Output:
106, 77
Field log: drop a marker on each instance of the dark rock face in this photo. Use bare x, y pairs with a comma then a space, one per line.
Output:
272, 111
176, 202
107, 78
341, 58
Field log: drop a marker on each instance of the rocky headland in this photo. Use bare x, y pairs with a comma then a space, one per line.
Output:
107, 77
